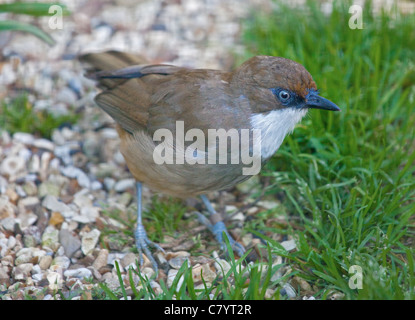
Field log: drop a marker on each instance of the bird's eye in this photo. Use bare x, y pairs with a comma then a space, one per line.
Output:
284, 96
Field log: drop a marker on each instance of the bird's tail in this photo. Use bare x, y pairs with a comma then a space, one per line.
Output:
107, 61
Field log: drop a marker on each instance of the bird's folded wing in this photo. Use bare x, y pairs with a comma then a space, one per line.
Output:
140, 96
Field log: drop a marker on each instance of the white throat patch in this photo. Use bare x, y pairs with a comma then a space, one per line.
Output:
274, 126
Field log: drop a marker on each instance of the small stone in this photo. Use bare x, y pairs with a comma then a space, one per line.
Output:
149, 272
11, 242
7, 208
4, 276
289, 245
112, 283
125, 199
30, 188
119, 158
97, 275
26, 219
171, 275
81, 177
48, 188
13, 196
302, 284
62, 262
52, 203
171, 255
124, 185
82, 200
177, 262
161, 260
90, 213
12, 166
268, 204
23, 257
8, 223
36, 269
22, 271
45, 262
80, 273
129, 259
29, 241
96, 185
288, 290
69, 241
55, 280
50, 238
109, 183
222, 266
67, 96
44, 144
101, 260
28, 204
89, 241
56, 219
23, 137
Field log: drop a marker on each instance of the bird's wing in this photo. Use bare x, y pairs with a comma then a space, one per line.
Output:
149, 97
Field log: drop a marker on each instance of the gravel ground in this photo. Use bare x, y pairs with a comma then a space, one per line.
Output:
54, 194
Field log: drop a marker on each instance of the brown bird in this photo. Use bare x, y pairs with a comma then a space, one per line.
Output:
174, 123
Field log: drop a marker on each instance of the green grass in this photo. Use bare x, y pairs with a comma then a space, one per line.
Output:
349, 176
18, 115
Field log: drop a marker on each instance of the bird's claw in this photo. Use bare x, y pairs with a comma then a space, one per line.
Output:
218, 229
143, 243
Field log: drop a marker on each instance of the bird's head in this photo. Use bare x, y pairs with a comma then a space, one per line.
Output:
272, 83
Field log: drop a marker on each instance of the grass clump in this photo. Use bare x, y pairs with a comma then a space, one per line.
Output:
18, 115
348, 175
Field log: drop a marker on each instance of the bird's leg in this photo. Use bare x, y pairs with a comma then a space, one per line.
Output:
141, 240
217, 227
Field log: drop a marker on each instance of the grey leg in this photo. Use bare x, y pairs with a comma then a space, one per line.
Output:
217, 227
141, 240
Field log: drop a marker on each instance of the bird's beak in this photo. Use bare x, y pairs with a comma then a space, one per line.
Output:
313, 100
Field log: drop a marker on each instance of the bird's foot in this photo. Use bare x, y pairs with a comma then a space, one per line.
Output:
143, 243
219, 229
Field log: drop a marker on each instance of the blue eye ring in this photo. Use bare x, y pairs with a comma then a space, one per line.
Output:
284, 96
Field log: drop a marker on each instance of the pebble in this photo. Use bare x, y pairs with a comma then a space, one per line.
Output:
48, 188
52, 203
24, 137
80, 273
55, 280
124, 184
44, 144
12, 166
89, 241
70, 242
288, 290
50, 238
203, 272
101, 260
289, 245
22, 271
171, 275
45, 262
62, 262
7, 209
177, 262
